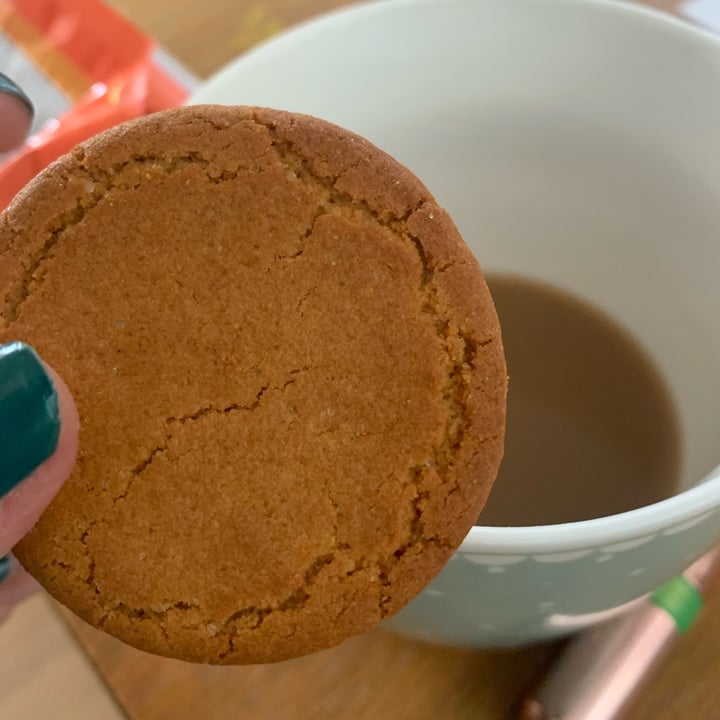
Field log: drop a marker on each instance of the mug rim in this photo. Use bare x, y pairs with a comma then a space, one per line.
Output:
688, 505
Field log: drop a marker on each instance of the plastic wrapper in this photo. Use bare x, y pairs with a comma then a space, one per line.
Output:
86, 68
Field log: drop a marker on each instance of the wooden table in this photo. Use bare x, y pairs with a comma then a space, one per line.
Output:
376, 676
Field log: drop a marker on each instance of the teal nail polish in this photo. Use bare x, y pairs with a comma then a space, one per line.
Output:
5, 567
29, 414
8, 86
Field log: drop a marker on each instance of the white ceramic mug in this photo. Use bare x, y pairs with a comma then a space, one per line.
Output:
576, 142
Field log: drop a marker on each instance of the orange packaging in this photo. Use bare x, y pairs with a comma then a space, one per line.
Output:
86, 68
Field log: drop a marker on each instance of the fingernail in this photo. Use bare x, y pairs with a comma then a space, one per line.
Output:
5, 567
29, 414
8, 86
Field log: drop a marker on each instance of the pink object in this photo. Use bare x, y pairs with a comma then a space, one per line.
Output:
602, 672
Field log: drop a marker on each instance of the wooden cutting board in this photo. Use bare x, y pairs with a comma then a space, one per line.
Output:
380, 676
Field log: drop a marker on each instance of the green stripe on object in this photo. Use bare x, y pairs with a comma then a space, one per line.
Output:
681, 600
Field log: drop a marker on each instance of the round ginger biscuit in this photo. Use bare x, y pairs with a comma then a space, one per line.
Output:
289, 374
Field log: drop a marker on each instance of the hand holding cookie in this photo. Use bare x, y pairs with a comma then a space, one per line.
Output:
38, 443
38, 421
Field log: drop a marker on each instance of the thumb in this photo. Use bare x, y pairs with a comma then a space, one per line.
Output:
16, 114
38, 440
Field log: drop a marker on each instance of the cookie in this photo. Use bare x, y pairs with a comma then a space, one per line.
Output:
289, 375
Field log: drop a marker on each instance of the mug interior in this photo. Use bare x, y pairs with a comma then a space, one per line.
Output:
566, 155
572, 142
610, 202
599, 173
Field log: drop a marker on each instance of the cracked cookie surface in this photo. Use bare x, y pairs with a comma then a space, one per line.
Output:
289, 375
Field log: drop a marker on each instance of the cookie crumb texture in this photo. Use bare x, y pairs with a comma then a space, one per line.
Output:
289, 375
